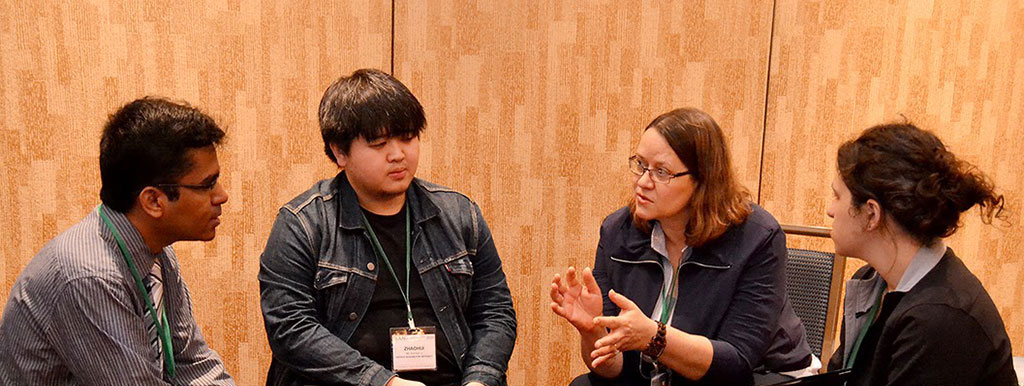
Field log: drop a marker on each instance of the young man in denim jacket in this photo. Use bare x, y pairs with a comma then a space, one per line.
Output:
376, 277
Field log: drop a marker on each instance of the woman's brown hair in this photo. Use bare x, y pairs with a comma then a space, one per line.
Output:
923, 186
718, 201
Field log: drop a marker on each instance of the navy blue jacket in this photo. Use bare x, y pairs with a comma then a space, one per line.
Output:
732, 290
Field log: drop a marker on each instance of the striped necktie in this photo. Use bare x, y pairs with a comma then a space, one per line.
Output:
155, 287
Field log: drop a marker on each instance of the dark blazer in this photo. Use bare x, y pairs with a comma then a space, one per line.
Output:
732, 290
944, 331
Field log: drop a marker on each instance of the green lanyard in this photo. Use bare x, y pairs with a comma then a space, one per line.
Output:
668, 299
383, 257
164, 332
864, 330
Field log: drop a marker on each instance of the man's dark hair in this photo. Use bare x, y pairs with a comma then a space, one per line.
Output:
146, 143
369, 104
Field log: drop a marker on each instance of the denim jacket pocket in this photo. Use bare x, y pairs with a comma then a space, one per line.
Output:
461, 274
330, 285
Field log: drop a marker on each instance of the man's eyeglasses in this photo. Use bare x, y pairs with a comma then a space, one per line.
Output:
205, 187
660, 175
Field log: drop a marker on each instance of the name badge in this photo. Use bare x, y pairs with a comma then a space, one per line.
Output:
413, 348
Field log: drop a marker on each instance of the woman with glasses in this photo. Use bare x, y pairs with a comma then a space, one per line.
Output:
915, 315
688, 285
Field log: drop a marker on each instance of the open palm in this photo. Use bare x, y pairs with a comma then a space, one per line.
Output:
578, 301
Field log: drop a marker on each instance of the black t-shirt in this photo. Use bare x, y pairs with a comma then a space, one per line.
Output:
372, 337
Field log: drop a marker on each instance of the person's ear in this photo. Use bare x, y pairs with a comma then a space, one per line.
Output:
874, 215
152, 201
340, 156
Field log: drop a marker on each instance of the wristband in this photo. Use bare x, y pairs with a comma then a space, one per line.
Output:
656, 346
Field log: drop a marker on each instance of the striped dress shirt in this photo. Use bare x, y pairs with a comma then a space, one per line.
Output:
76, 317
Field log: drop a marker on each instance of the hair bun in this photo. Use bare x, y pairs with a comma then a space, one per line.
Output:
921, 184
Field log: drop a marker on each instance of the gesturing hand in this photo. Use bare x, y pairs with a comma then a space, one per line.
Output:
576, 301
630, 330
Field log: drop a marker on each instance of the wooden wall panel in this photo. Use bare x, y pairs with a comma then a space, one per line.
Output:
954, 67
259, 68
534, 107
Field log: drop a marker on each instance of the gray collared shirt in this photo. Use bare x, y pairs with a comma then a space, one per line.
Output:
659, 245
924, 260
76, 317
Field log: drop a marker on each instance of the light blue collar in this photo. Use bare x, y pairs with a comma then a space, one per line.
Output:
922, 263
658, 242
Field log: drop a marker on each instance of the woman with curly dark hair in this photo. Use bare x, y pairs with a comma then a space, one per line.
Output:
915, 315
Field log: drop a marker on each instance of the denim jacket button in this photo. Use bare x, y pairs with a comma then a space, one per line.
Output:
352, 316
370, 266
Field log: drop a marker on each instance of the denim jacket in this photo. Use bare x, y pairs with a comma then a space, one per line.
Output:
318, 272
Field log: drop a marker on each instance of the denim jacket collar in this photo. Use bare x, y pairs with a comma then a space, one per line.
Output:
349, 216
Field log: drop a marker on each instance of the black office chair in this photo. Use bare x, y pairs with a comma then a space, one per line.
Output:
813, 284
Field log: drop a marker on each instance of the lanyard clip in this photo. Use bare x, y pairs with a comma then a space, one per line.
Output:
412, 324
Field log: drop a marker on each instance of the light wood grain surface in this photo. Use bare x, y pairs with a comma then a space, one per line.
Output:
532, 109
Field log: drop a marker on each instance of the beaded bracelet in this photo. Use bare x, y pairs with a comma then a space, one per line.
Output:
656, 346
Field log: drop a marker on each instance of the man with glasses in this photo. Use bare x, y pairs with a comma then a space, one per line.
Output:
375, 277
104, 302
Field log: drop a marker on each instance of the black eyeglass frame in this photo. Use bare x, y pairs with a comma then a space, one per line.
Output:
635, 160
207, 187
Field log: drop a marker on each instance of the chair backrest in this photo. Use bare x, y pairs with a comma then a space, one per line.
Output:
813, 285
808, 283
